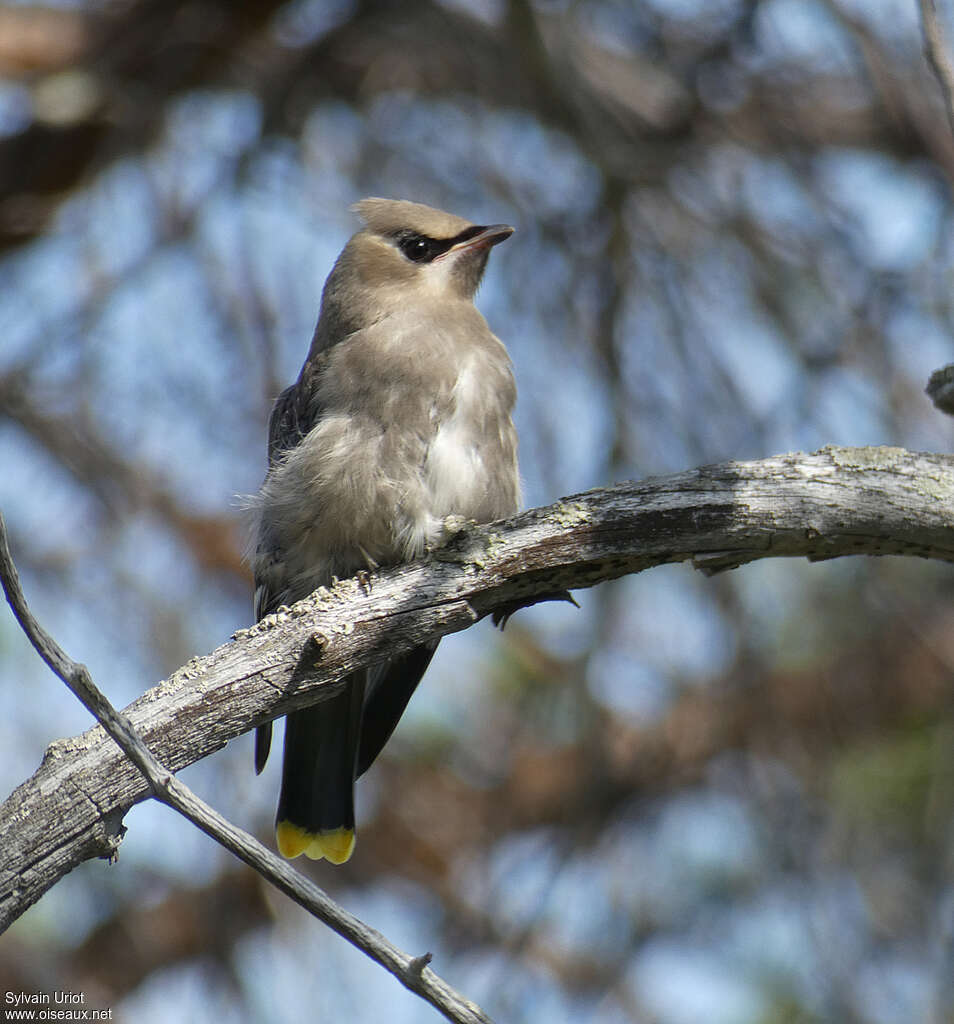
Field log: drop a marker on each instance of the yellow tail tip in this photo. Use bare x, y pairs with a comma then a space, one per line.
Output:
291, 840
335, 846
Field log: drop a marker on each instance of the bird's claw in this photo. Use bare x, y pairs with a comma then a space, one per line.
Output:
501, 616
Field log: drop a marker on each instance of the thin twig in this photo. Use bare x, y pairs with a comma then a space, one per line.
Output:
412, 972
936, 51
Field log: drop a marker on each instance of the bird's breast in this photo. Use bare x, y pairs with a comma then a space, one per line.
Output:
463, 452
416, 427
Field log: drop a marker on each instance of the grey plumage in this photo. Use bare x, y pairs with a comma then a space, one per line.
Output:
401, 417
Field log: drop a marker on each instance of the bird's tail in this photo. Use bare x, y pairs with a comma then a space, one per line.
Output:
316, 806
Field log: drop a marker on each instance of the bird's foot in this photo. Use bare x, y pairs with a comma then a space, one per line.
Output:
501, 616
451, 526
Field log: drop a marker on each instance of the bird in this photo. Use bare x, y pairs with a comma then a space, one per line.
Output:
400, 422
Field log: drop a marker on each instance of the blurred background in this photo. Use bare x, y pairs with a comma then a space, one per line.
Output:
727, 800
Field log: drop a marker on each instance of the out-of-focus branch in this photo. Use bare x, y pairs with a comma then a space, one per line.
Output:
836, 502
115, 69
128, 62
936, 51
78, 445
412, 972
40, 39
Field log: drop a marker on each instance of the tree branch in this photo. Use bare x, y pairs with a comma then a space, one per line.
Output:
839, 501
412, 972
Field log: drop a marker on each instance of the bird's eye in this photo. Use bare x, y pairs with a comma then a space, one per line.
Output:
416, 248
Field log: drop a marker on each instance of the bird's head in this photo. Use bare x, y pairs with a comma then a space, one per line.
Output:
408, 250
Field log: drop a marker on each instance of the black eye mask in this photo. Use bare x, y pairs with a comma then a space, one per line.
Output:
421, 249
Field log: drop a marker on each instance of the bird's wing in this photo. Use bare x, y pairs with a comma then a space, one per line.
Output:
295, 412
293, 415
390, 686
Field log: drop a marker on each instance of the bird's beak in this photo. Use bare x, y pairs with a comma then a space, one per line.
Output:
488, 236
